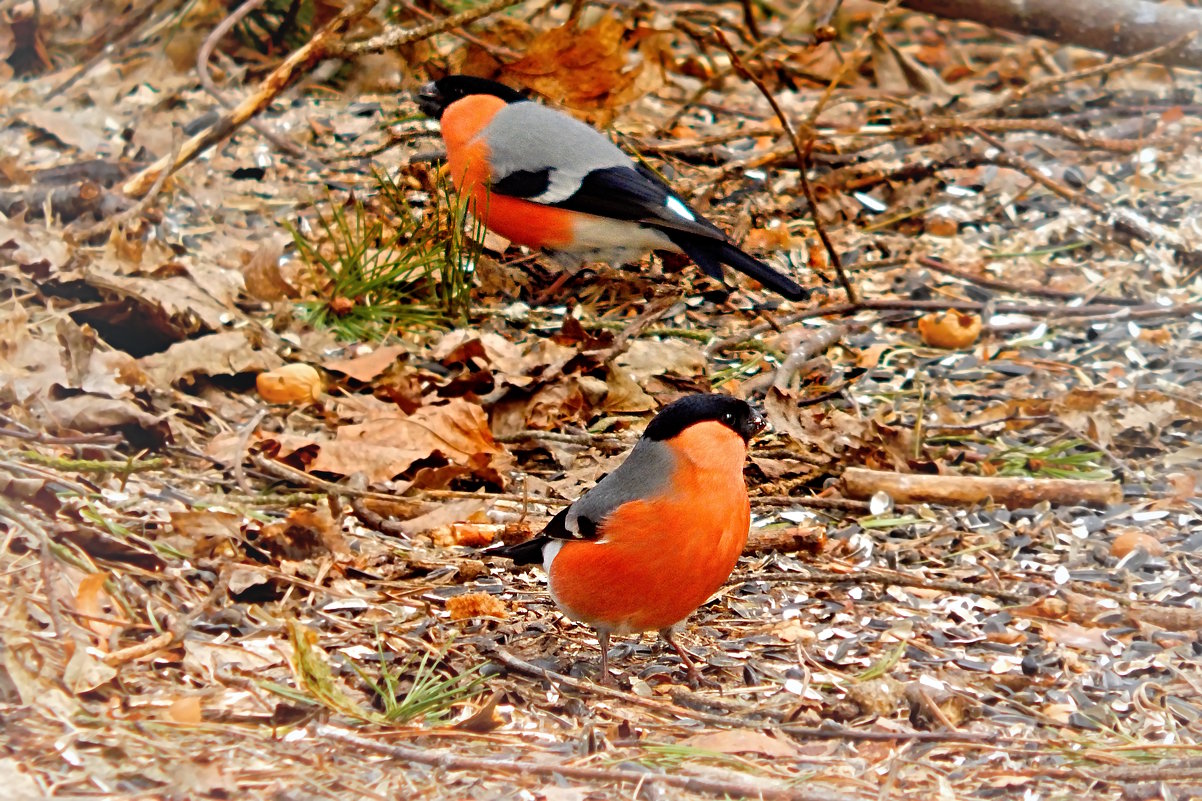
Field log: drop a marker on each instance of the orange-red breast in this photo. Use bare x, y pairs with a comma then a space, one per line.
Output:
543, 179
654, 539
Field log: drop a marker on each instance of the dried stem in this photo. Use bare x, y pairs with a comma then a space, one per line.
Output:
316, 49
802, 153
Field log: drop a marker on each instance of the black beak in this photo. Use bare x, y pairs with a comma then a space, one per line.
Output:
758, 423
431, 101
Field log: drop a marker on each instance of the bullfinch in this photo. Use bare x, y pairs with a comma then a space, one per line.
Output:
543, 179
654, 539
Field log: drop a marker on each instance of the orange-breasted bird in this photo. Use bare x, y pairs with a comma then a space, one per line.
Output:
543, 179
654, 539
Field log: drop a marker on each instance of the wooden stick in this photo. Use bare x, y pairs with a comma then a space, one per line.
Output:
299, 60
1144, 30
1011, 492
608, 777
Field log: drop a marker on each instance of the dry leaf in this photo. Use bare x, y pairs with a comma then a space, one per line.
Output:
227, 353
84, 672
484, 719
951, 330
93, 600
186, 710
306, 534
471, 535
741, 741
367, 366
573, 67
443, 515
476, 604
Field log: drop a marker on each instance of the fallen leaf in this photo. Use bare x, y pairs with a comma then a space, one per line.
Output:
476, 604
485, 719
651, 357
93, 600
306, 534
367, 366
471, 535
442, 515
186, 710
226, 353
740, 741
582, 68
85, 672
951, 330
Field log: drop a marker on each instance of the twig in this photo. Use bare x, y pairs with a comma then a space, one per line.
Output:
851, 62
807, 349
1034, 291
206, 76
801, 151
115, 35
1107, 67
608, 441
654, 310
838, 504
90, 440
111, 223
300, 477
890, 578
1088, 313
499, 52
139, 650
448, 760
377, 522
724, 721
316, 49
803, 167
176, 633
1026, 168
930, 125
715, 80
240, 448
492, 496
54, 602
124, 467
395, 37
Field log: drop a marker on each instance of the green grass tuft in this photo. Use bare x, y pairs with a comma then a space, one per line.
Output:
1066, 459
431, 694
386, 265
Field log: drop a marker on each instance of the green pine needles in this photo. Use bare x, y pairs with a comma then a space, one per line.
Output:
387, 265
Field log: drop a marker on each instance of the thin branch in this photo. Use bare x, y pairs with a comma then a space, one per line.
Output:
316, 49
608, 777
802, 153
723, 721
1034, 291
395, 37
206, 77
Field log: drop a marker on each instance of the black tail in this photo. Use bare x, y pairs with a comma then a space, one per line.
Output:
711, 254
529, 552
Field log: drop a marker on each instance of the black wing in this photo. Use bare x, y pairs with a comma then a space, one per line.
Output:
530, 552
639, 195
636, 194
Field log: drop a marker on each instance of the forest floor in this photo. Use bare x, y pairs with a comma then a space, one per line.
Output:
207, 595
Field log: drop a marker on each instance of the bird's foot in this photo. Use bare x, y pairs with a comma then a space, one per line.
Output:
696, 680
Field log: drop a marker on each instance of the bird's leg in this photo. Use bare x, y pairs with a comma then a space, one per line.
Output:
603, 641
695, 678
